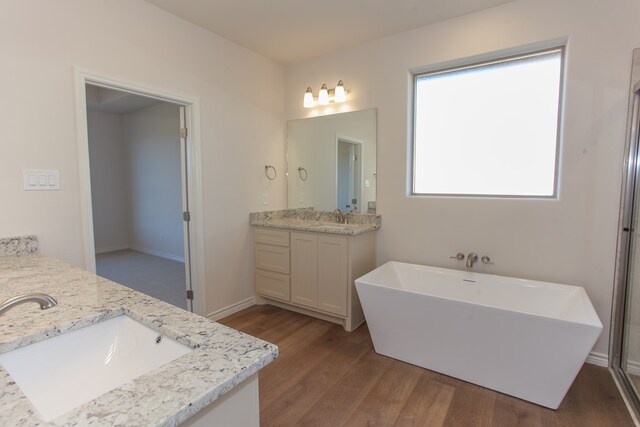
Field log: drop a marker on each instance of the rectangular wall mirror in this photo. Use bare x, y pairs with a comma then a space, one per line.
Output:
331, 162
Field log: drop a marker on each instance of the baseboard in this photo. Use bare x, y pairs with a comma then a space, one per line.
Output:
301, 310
233, 308
598, 359
157, 253
633, 368
108, 249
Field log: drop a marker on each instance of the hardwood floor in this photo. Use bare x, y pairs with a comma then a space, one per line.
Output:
328, 377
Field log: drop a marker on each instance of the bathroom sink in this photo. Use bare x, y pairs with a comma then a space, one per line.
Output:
63, 372
332, 227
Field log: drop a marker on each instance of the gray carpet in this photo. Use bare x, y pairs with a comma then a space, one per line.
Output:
160, 278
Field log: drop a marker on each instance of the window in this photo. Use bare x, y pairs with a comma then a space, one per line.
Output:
489, 129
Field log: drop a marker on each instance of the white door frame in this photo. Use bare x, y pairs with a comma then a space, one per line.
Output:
360, 143
194, 175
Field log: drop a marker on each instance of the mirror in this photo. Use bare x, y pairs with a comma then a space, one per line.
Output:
331, 162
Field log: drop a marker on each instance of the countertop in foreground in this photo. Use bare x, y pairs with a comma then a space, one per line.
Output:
167, 396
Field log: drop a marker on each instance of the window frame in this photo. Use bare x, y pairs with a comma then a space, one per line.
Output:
498, 58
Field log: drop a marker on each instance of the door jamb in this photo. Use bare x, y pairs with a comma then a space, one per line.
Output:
353, 141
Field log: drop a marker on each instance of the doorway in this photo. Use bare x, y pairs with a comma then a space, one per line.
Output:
136, 192
140, 174
349, 173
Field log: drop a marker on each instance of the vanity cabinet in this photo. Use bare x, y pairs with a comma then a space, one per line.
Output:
313, 272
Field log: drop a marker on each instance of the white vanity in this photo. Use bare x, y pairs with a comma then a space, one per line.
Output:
307, 264
307, 258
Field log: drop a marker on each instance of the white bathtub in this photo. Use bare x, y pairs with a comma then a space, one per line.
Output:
524, 338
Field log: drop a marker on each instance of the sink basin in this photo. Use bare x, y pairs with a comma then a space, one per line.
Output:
332, 227
61, 373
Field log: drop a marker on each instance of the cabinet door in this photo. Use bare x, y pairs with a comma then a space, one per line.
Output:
332, 274
304, 269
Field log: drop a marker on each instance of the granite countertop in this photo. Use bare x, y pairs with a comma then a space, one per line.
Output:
316, 221
221, 359
315, 226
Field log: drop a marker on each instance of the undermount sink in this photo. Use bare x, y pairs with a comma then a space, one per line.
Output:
66, 371
332, 227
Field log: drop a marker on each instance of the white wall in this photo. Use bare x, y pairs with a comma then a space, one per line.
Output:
109, 181
570, 240
152, 137
241, 121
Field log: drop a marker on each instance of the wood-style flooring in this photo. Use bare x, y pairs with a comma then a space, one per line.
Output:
326, 376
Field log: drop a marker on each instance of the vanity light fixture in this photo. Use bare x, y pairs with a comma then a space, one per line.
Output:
339, 94
308, 98
325, 96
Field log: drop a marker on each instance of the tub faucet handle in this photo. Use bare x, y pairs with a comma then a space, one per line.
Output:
459, 256
486, 260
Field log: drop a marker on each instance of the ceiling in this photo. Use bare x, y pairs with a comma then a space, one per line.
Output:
115, 101
289, 31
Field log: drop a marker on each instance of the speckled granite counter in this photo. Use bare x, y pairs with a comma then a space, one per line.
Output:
316, 221
222, 357
17, 246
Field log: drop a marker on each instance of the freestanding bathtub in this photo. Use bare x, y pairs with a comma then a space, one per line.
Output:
524, 338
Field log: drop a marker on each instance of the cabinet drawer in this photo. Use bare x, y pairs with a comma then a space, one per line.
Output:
273, 285
272, 258
269, 236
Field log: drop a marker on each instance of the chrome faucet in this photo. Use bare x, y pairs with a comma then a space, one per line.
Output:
341, 216
44, 300
471, 258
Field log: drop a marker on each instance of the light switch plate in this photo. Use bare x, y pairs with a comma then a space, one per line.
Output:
41, 180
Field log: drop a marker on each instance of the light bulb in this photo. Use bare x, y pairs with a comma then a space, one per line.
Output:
323, 96
308, 98
339, 94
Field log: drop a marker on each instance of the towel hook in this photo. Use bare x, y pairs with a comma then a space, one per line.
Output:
266, 172
300, 170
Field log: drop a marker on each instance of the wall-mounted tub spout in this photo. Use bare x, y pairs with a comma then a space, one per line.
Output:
471, 258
